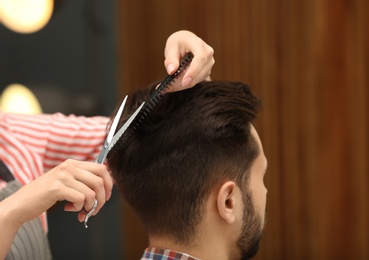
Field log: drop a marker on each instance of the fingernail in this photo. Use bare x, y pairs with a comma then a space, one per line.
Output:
170, 68
186, 81
109, 196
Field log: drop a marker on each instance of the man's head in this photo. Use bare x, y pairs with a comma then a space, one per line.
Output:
195, 166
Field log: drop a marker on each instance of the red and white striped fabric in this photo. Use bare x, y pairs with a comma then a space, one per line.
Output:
30, 145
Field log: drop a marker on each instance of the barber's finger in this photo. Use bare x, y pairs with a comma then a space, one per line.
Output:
199, 70
73, 207
172, 58
100, 171
204, 74
192, 75
82, 213
95, 190
89, 196
75, 199
81, 216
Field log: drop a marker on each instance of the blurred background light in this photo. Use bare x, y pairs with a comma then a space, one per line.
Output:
25, 16
17, 98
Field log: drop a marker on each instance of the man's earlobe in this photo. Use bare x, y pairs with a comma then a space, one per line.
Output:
226, 201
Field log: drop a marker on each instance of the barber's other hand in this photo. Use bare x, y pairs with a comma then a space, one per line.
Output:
177, 45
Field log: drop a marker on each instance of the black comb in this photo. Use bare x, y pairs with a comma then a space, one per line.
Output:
154, 99
159, 92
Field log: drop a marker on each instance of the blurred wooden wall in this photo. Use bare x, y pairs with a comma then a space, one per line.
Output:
308, 61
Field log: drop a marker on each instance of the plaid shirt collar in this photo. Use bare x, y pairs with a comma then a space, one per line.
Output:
153, 253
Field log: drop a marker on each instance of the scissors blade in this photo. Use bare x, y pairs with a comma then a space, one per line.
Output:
124, 127
104, 150
113, 126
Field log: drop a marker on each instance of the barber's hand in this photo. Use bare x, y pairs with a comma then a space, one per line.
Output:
178, 44
76, 182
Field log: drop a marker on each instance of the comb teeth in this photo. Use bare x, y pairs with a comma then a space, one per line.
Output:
154, 99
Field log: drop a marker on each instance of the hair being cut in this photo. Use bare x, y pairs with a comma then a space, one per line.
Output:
192, 140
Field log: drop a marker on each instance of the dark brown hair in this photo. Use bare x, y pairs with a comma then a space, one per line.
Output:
192, 140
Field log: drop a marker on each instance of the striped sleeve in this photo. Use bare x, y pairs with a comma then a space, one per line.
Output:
57, 137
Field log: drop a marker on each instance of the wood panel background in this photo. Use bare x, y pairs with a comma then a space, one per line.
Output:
308, 61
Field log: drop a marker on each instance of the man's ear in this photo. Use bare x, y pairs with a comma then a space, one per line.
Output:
226, 201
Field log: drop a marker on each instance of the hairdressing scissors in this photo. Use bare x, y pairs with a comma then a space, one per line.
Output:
110, 141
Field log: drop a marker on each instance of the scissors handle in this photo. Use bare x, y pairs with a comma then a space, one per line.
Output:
88, 214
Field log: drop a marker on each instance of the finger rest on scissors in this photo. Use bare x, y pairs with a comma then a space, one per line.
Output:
89, 214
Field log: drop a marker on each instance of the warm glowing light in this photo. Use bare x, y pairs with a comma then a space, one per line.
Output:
25, 16
17, 98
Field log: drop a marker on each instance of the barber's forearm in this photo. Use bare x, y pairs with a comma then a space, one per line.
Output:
8, 227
